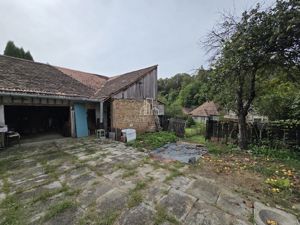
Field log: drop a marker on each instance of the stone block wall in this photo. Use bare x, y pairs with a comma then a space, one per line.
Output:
128, 113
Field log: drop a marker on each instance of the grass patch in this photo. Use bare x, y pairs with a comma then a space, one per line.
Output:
163, 216
197, 129
108, 218
130, 169
5, 186
151, 141
135, 198
57, 209
219, 149
275, 153
44, 196
93, 217
198, 139
140, 186
125, 166
12, 213
129, 173
174, 173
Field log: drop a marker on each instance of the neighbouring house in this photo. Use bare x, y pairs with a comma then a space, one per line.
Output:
38, 98
208, 110
251, 117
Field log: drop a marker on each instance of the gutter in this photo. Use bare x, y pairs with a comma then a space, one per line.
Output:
12, 94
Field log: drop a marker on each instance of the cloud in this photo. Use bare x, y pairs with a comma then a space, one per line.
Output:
113, 37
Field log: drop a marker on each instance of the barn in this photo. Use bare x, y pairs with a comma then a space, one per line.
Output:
41, 99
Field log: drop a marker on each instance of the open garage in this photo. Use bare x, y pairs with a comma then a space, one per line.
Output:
38, 120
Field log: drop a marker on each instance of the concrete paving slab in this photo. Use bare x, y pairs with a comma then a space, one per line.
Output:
114, 200
178, 203
204, 189
139, 215
181, 183
206, 214
234, 204
91, 193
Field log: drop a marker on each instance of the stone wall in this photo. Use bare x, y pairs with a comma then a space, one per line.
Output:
136, 114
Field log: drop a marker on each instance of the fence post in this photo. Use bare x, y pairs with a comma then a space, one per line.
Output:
208, 130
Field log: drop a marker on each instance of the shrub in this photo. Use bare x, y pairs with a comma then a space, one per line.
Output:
284, 154
151, 141
190, 122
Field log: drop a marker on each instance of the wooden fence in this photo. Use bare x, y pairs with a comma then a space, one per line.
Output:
173, 125
257, 133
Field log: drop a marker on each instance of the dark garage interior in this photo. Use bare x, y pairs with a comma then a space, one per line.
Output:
38, 120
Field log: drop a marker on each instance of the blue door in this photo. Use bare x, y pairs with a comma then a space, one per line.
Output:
81, 120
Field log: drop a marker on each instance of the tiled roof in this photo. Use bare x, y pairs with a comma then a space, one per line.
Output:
186, 111
23, 76
206, 109
28, 77
91, 80
121, 82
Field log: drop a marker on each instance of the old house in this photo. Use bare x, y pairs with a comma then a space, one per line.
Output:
39, 98
208, 110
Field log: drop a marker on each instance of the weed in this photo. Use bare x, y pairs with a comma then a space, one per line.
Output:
135, 198
44, 196
57, 209
140, 185
165, 192
151, 141
163, 216
283, 154
195, 139
5, 186
174, 173
125, 166
12, 211
128, 173
92, 217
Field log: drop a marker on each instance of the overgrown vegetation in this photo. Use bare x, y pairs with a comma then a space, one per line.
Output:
135, 195
163, 216
58, 208
150, 141
277, 169
11, 211
195, 129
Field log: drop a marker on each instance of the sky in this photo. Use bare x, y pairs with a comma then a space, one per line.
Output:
111, 37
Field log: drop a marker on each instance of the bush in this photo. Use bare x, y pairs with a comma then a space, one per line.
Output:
197, 129
284, 154
151, 141
190, 122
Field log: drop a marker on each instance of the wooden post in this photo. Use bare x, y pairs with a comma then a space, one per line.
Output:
72, 120
101, 112
2, 119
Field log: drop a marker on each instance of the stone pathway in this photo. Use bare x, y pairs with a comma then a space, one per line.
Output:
85, 181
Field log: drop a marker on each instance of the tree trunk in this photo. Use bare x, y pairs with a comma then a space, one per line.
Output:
243, 144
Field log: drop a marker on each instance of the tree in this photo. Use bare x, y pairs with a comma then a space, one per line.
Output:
28, 56
248, 50
11, 49
14, 51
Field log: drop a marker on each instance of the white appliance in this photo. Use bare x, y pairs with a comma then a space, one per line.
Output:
3, 128
130, 134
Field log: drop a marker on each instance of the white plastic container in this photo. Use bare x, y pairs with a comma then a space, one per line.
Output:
3, 128
130, 134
